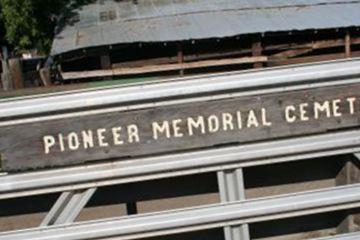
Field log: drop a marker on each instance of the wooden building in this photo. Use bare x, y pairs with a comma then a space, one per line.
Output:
160, 38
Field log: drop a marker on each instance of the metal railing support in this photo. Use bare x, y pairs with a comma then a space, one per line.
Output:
111, 173
349, 236
205, 84
357, 155
231, 188
68, 206
200, 218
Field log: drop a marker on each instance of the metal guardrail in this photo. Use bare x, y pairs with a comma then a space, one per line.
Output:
78, 183
93, 103
206, 217
87, 176
202, 85
350, 236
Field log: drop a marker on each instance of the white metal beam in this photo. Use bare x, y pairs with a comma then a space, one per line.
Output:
231, 188
199, 218
94, 98
357, 155
349, 236
93, 175
68, 206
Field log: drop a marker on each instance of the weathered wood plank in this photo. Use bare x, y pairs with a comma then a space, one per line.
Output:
6, 79
291, 53
347, 44
180, 56
181, 127
308, 59
15, 67
105, 62
257, 49
45, 76
161, 68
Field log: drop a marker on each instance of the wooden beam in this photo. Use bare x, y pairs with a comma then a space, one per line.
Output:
34, 154
15, 67
174, 59
173, 63
45, 76
231, 53
292, 53
105, 62
314, 44
162, 68
6, 78
347, 44
180, 58
257, 49
349, 174
300, 49
318, 58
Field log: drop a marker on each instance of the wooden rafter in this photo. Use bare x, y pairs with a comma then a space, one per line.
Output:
162, 68
316, 58
309, 47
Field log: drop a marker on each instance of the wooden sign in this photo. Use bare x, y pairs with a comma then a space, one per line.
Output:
165, 129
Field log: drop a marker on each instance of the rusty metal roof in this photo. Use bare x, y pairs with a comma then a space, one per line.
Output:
110, 22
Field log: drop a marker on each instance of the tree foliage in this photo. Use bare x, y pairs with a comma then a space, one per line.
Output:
2, 28
29, 24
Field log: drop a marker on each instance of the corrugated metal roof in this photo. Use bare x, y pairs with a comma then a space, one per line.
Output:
109, 22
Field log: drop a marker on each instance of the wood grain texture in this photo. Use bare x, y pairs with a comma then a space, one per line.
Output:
22, 146
161, 68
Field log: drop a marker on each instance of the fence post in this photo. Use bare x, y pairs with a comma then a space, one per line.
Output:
15, 67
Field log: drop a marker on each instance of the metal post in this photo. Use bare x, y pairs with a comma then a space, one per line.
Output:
68, 206
349, 174
231, 187
198, 218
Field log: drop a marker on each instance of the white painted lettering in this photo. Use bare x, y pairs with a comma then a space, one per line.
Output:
239, 119
264, 119
133, 133
303, 112
101, 137
73, 141
351, 101
324, 107
290, 114
61, 143
252, 120
199, 123
335, 108
49, 141
88, 139
227, 119
161, 129
117, 136
213, 124
176, 128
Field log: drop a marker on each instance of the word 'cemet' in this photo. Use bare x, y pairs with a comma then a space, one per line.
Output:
305, 111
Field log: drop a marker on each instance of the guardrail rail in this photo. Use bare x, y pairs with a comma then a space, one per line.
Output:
272, 149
